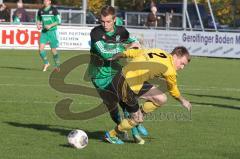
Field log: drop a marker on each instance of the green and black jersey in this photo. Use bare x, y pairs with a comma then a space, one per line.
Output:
103, 46
48, 16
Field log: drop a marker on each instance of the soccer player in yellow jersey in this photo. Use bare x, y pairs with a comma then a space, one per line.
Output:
131, 83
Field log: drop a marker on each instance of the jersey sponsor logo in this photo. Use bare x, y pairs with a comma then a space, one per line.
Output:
47, 18
118, 38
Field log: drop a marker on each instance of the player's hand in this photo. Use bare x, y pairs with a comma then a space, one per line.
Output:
39, 26
133, 45
48, 27
115, 57
185, 103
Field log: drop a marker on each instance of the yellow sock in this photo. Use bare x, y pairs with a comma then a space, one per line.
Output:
149, 107
126, 124
113, 133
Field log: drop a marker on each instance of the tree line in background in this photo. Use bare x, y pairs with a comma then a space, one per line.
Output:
226, 11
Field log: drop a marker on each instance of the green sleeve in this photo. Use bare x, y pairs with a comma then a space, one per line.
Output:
38, 17
58, 19
108, 50
131, 40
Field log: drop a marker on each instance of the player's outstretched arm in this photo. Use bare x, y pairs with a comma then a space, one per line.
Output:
130, 53
185, 103
133, 45
39, 25
116, 57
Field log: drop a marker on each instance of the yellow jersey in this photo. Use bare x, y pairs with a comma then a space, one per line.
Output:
147, 64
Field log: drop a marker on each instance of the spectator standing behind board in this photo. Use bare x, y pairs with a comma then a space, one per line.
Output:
21, 11
152, 19
4, 13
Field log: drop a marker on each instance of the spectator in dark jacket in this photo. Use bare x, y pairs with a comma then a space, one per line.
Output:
4, 13
152, 19
22, 11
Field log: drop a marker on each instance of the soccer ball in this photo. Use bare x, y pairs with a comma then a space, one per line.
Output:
78, 139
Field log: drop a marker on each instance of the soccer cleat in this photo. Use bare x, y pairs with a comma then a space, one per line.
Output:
142, 130
134, 131
138, 139
112, 140
136, 136
123, 136
45, 67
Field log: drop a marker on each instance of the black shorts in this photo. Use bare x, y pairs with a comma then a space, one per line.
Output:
124, 93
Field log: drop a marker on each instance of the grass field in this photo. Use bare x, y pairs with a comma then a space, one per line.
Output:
30, 128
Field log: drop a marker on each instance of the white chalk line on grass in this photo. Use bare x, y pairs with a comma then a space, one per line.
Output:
183, 87
41, 102
35, 85
28, 102
88, 103
23, 77
23, 85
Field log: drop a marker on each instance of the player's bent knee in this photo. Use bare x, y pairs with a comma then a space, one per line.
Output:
137, 117
137, 120
160, 99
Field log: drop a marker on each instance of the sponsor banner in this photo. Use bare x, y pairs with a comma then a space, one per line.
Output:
213, 44
74, 38
147, 38
27, 37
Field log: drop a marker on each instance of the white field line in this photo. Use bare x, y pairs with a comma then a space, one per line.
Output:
182, 87
22, 77
23, 85
26, 102
42, 102
81, 103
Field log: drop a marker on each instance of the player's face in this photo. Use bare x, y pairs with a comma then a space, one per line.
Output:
47, 3
180, 62
108, 22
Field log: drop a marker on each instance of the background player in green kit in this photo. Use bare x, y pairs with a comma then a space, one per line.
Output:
108, 39
47, 19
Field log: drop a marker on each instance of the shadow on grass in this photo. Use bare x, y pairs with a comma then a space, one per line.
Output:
64, 131
218, 105
18, 68
213, 96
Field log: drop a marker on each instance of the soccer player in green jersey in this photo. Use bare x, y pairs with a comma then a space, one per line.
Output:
108, 39
47, 20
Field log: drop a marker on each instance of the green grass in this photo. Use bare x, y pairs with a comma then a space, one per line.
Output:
30, 127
